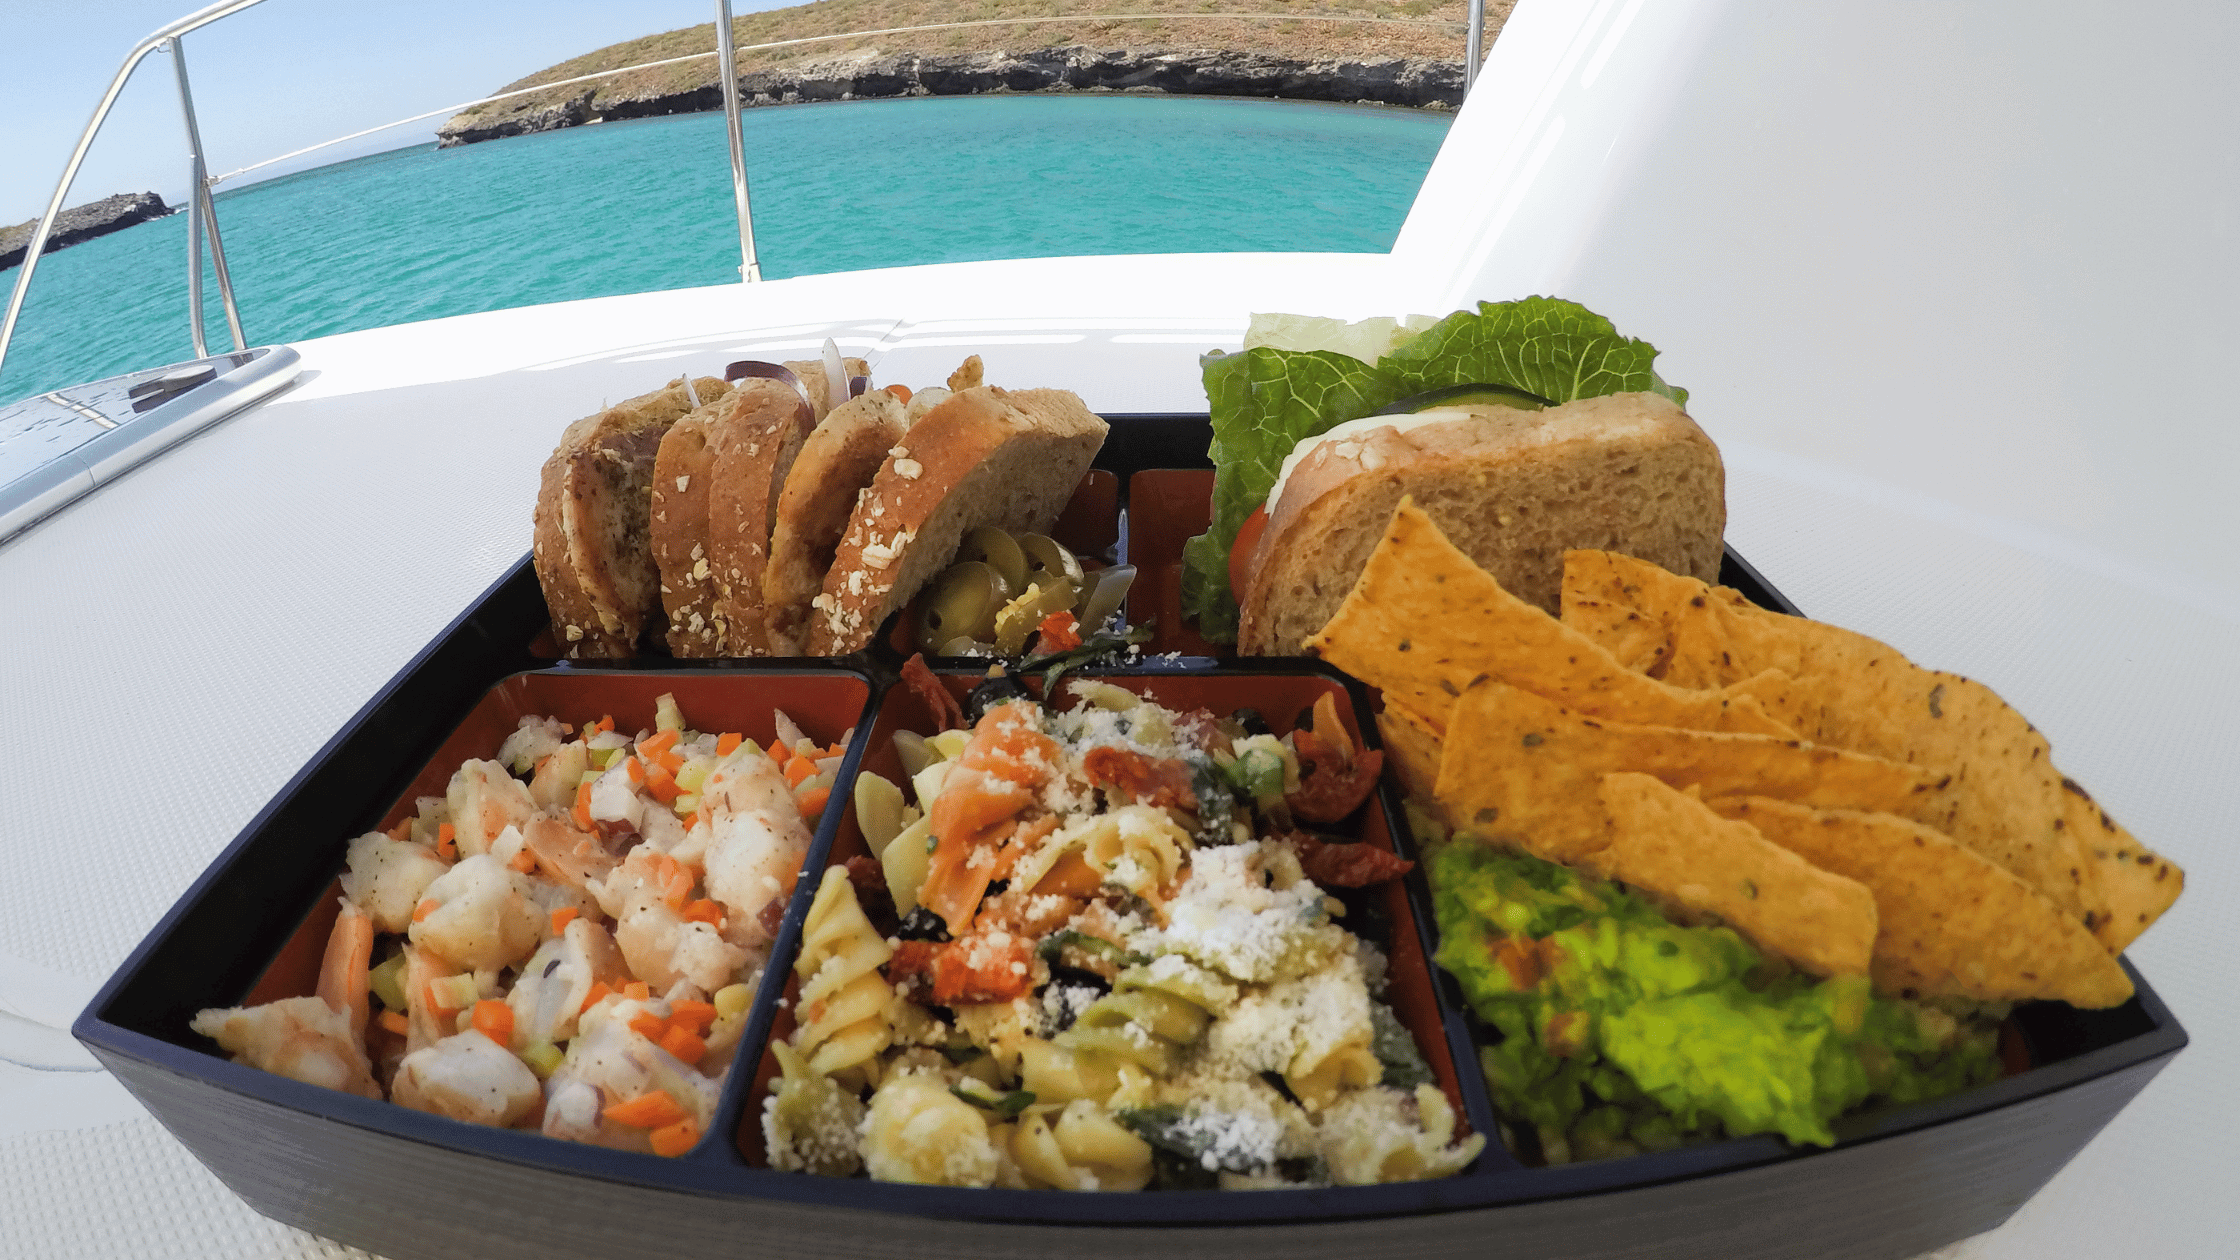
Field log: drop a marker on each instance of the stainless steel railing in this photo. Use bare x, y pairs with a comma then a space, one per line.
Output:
202, 215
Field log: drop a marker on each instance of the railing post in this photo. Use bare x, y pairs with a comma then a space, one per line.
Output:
750, 270
1477, 46
201, 212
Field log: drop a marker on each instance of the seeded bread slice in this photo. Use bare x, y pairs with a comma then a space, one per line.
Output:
606, 502
835, 465
575, 627
1630, 473
810, 372
753, 444
987, 456
679, 530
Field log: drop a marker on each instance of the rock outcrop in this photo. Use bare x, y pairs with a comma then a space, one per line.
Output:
1198, 72
82, 223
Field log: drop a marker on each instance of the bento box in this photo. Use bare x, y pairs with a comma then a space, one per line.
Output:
1898, 1181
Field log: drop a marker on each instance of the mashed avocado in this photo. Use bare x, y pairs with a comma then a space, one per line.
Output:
1621, 1030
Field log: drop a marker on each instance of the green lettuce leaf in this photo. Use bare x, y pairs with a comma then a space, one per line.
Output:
1557, 349
1264, 402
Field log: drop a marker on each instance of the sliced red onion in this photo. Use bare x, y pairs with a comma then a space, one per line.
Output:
744, 368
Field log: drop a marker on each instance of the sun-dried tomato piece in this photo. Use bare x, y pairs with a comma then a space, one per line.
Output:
1332, 789
919, 677
983, 967
1355, 865
1159, 782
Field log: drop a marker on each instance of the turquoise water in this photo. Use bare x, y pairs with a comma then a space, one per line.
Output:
635, 206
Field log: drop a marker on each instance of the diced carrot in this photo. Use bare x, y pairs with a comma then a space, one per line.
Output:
671, 761
635, 768
433, 996
650, 1110
703, 911
637, 990
728, 743
901, 392
662, 742
402, 831
672, 1140
692, 820
523, 861
494, 1019
599, 990
606, 723
424, 909
674, 879
561, 918
395, 1022
662, 783
813, 802
798, 770
683, 1043
779, 752
582, 811
697, 1016
446, 833
649, 1025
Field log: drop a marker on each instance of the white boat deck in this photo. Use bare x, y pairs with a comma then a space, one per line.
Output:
1950, 289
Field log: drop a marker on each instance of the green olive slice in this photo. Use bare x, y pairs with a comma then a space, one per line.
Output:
1106, 593
1047, 560
964, 600
1023, 615
998, 550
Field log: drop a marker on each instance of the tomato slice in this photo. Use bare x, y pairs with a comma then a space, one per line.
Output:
1240, 553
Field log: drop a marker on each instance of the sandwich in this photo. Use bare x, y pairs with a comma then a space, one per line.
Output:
1523, 427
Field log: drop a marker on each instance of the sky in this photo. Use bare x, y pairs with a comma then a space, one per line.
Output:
277, 77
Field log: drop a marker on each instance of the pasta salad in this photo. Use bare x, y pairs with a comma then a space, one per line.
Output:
1102, 952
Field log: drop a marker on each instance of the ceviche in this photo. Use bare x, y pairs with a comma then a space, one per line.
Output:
1103, 950
568, 940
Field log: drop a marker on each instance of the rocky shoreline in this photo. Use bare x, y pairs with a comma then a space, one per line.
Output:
1415, 82
82, 223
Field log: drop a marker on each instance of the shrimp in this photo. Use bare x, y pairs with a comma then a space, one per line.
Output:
469, 1077
609, 1056
387, 878
485, 915
342, 973
300, 1038
756, 840
661, 946
558, 978
484, 801
567, 856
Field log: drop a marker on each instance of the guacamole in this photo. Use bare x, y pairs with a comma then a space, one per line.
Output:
1620, 1030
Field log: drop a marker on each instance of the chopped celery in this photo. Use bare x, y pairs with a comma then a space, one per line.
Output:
686, 803
695, 772
665, 714
387, 983
542, 1058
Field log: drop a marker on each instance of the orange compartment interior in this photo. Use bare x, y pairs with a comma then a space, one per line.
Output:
1166, 508
824, 706
1279, 698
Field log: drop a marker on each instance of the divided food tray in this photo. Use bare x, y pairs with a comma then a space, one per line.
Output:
1901, 1180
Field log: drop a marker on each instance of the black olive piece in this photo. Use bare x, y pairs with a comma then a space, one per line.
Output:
922, 924
1305, 720
1251, 721
1078, 978
1001, 689
1282, 1086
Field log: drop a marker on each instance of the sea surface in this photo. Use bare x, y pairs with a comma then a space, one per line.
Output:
628, 207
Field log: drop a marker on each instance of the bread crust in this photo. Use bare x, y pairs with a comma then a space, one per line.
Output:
752, 444
604, 501
679, 528
810, 372
987, 456
575, 627
1630, 473
836, 463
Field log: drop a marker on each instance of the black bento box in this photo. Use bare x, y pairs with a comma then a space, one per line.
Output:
1900, 1181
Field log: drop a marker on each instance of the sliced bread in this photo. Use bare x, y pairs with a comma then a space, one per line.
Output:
752, 445
986, 456
591, 547
815, 385
679, 528
1630, 473
835, 465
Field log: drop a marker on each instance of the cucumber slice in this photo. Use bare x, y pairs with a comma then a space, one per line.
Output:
1468, 396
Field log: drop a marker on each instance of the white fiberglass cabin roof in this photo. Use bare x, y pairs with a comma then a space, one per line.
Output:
1949, 285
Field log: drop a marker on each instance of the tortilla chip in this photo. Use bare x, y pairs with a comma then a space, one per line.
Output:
1411, 750
1524, 770
1995, 787
2136, 883
1632, 608
1953, 923
1671, 844
1424, 622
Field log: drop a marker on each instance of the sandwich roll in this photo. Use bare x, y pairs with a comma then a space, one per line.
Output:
1512, 488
